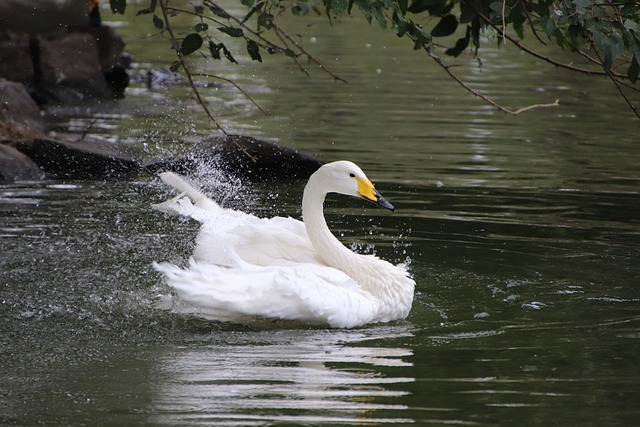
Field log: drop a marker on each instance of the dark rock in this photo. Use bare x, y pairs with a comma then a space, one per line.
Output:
74, 64
17, 106
16, 62
15, 166
70, 60
243, 156
79, 160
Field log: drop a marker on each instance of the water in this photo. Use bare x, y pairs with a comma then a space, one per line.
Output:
522, 233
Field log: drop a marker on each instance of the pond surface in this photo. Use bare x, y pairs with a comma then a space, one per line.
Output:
523, 235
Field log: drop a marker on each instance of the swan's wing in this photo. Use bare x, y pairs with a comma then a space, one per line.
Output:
273, 241
259, 241
306, 293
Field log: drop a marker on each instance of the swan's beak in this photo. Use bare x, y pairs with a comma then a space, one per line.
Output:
367, 191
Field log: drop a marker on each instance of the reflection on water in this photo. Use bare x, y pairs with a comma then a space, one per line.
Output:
286, 376
526, 308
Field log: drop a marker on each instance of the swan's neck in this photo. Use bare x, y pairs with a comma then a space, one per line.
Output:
391, 285
324, 242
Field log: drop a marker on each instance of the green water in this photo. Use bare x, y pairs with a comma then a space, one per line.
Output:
523, 236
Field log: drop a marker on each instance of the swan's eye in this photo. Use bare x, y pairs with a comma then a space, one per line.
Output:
352, 175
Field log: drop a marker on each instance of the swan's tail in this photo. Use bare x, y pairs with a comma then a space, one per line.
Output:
180, 204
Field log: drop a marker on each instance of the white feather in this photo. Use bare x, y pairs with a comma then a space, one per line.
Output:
245, 266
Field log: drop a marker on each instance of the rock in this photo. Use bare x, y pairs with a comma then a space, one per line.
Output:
71, 60
15, 166
74, 63
243, 156
17, 106
79, 160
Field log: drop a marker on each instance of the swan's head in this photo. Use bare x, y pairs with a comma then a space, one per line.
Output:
347, 178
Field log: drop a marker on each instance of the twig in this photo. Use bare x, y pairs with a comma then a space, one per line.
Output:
279, 33
283, 36
533, 28
485, 98
626, 99
311, 58
616, 83
236, 85
194, 88
88, 129
182, 63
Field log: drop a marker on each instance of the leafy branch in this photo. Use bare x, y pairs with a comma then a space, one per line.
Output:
604, 33
183, 49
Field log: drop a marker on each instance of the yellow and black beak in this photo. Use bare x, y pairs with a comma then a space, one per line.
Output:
367, 191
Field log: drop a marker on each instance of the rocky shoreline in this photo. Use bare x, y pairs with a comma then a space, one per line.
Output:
28, 152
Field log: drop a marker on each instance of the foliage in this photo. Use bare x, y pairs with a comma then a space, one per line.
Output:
604, 33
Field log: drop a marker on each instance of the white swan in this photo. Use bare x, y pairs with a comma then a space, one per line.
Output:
246, 267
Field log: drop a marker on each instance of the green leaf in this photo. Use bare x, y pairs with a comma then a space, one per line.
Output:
201, 26
447, 26
218, 11
227, 54
289, 53
118, 6
474, 31
253, 10
191, 43
198, 9
418, 6
265, 20
518, 25
147, 10
461, 44
421, 37
378, 13
611, 47
402, 6
157, 22
548, 25
581, 5
632, 26
254, 50
350, 6
232, 31
400, 24
215, 49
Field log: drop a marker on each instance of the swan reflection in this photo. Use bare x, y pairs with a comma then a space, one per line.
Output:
287, 376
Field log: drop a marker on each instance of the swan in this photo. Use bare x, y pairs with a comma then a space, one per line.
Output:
246, 267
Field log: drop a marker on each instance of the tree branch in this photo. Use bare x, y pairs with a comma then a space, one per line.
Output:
285, 37
533, 53
485, 98
182, 63
194, 88
234, 84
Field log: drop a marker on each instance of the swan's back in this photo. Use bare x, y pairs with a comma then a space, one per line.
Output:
260, 241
